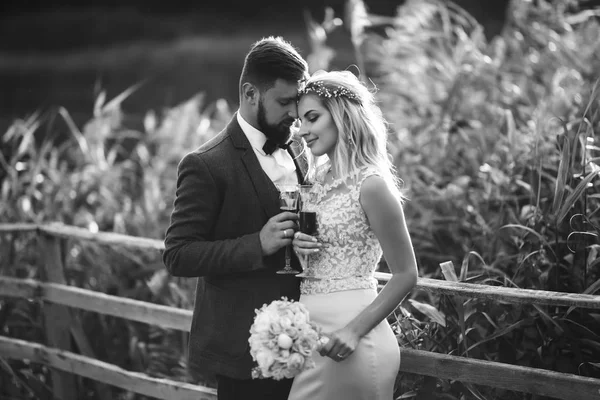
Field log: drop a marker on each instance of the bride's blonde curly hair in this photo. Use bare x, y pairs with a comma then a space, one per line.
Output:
362, 128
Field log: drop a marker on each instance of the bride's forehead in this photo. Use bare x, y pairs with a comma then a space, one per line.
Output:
310, 101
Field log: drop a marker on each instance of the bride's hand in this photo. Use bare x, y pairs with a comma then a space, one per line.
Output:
305, 244
341, 344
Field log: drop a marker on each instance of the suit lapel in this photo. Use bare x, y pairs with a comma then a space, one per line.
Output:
265, 189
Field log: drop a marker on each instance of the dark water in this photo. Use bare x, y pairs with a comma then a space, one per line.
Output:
64, 57
169, 73
171, 69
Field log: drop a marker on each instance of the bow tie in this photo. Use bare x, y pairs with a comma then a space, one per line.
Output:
270, 146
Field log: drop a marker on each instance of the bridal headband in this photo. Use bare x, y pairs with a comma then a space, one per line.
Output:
319, 88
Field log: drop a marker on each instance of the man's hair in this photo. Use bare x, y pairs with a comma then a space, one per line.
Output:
272, 58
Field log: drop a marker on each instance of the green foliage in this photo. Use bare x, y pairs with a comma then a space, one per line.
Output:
106, 176
496, 143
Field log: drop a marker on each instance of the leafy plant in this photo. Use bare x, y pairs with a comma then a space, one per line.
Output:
105, 176
496, 143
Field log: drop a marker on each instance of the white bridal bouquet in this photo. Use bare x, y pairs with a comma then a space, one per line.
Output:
282, 340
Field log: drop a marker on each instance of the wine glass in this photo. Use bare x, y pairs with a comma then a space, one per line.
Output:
288, 201
308, 213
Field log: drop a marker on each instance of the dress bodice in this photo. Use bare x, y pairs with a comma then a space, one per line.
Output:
351, 251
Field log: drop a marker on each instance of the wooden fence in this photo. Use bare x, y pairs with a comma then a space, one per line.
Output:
61, 327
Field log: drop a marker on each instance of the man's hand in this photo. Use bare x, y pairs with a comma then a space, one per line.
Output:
278, 232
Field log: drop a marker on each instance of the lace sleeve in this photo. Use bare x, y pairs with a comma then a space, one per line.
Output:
361, 178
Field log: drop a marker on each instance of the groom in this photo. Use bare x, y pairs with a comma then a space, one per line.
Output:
226, 228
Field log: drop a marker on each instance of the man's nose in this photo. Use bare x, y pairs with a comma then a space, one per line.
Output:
293, 112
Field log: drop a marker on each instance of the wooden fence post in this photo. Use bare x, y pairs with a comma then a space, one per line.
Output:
57, 319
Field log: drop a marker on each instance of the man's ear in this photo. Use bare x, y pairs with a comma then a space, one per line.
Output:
250, 92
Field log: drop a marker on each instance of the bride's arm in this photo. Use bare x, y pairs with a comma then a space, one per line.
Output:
386, 218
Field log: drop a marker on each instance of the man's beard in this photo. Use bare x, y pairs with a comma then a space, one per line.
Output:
280, 133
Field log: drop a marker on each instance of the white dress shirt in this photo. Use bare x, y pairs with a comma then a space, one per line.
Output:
279, 166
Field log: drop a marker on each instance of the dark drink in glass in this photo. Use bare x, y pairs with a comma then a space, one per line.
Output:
308, 222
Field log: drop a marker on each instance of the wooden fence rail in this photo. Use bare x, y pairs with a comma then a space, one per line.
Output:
55, 292
493, 293
134, 310
103, 372
415, 361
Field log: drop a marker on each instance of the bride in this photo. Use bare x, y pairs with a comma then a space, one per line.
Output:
360, 218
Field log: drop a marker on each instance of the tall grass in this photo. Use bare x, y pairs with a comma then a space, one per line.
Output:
497, 144
103, 176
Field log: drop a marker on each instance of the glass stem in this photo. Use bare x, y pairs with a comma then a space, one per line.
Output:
288, 258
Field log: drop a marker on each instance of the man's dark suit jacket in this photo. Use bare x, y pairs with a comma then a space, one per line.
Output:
223, 200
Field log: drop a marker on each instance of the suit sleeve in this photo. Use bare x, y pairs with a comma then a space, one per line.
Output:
189, 250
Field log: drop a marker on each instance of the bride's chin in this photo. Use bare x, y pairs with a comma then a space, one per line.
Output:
315, 153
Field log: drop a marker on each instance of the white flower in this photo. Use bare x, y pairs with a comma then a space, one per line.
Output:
285, 322
295, 362
300, 318
277, 371
283, 355
262, 322
292, 332
265, 359
275, 328
284, 341
304, 345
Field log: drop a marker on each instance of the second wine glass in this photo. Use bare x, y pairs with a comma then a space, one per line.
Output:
307, 218
308, 211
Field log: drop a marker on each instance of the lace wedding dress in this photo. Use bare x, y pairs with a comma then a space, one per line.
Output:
336, 286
